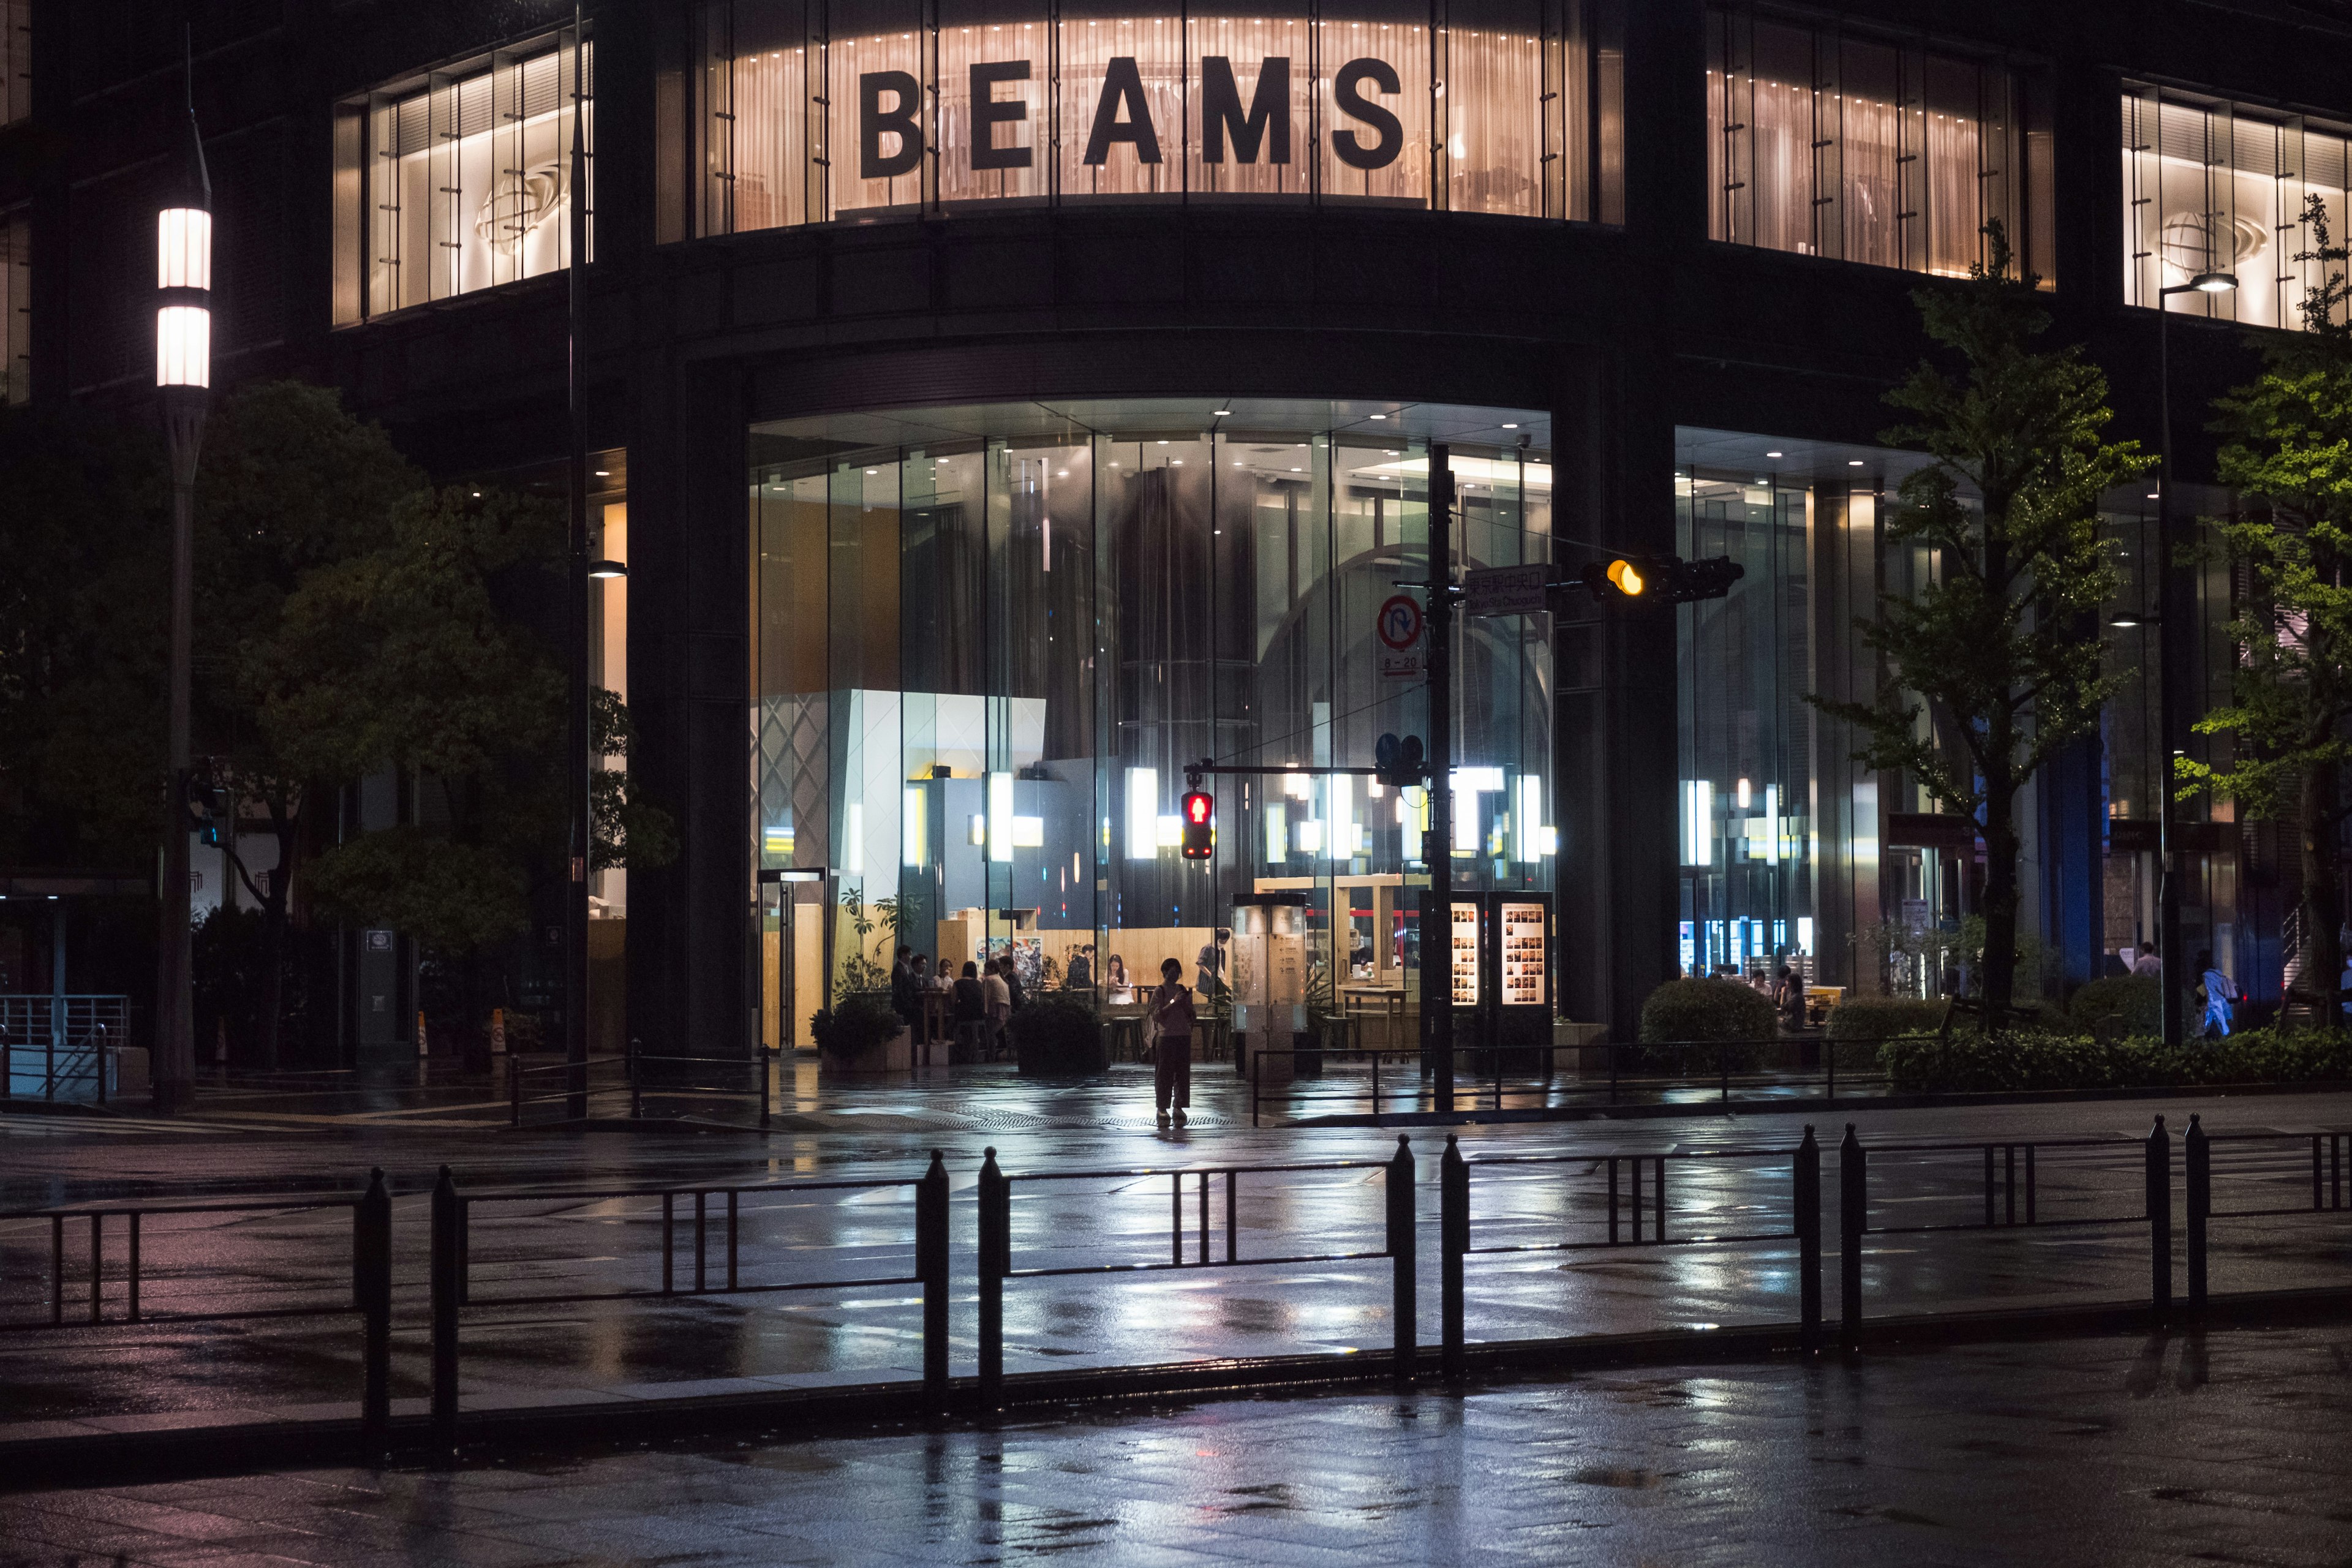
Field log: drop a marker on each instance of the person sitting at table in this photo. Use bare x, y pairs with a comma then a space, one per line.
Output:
1082, 969
970, 1009
997, 989
1117, 987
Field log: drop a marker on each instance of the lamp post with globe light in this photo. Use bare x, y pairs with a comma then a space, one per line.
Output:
184, 317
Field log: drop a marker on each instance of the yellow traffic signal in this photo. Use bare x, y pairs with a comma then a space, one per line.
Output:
1628, 580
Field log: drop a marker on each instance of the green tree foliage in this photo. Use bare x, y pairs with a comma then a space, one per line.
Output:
85, 533
1994, 667
629, 830
2289, 455
401, 659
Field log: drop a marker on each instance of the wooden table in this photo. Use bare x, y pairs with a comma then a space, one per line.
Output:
1381, 1006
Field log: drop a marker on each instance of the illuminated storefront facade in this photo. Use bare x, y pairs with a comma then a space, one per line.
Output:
1006, 401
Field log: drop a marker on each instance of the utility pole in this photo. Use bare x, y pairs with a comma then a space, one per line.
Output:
576, 760
1437, 843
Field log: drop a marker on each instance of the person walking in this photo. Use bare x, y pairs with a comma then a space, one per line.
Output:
1000, 1003
2219, 991
1211, 963
2147, 963
1171, 1051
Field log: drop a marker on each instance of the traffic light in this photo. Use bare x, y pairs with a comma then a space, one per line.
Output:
1667, 580
1399, 762
1199, 824
1708, 579
1617, 579
209, 808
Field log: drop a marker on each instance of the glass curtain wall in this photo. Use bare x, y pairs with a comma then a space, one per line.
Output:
1871, 148
15, 306
2237, 875
459, 180
989, 642
805, 113
2210, 185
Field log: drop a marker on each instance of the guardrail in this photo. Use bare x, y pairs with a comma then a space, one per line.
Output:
1600, 1201
571, 1084
1488, 1077
71, 1037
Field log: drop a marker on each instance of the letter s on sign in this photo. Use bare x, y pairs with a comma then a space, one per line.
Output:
1346, 89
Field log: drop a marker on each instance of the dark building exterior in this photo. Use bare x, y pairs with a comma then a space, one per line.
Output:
1000, 408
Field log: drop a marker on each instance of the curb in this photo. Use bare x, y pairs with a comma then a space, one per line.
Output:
64, 1463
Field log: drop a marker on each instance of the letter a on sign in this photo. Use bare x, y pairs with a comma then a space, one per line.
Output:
1122, 89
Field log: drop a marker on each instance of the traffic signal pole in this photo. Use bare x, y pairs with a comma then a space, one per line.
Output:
1437, 922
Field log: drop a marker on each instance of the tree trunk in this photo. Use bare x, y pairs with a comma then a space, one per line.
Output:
283, 824
2323, 893
1999, 905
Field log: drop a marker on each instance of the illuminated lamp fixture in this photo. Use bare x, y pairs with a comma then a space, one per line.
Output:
184, 374
2214, 282
608, 569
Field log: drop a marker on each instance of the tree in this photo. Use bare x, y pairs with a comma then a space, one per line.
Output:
291, 485
628, 829
403, 658
1997, 652
2289, 455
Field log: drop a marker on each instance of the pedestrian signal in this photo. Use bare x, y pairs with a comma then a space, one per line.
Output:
1397, 763
1200, 825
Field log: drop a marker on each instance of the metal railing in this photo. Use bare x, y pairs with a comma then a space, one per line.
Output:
63, 1044
1595, 1203
1492, 1071
531, 1086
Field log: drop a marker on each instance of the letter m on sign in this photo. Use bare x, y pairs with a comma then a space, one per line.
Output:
1221, 110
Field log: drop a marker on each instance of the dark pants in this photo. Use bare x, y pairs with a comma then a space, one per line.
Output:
1171, 1072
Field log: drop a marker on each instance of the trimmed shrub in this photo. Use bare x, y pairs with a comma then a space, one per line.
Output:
2134, 1002
1880, 1018
2043, 1059
864, 1022
1685, 1011
1058, 1036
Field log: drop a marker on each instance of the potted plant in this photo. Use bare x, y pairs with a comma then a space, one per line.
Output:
860, 1034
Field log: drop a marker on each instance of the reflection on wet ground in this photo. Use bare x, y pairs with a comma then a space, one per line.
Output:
2118, 1451
553, 1243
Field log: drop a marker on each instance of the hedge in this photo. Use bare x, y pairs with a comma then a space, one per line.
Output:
1058, 1036
2135, 1002
863, 1021
2043, 1059
1683, 1011
1878, 1018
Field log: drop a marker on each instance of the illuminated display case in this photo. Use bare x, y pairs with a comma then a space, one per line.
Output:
1519, 963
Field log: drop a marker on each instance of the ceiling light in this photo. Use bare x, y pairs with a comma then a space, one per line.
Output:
1221, 413
1379, 416
1510, 427
1771, 454
608, 569
2155, 495
2213, 282
1853, 462
603, 473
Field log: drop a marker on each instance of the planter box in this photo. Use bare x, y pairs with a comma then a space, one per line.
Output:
896, 1053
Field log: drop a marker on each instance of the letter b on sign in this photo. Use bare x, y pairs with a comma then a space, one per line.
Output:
872, 124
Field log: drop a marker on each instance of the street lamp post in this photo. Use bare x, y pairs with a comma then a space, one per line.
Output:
2172, 620
184, 283
576, 760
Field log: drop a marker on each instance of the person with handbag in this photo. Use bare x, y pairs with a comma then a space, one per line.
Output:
1171, 1051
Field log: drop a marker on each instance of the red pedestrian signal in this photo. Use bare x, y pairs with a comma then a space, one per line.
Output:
1200, 825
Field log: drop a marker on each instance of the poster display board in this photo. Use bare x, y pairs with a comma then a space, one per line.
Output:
1466, 975
1524, 935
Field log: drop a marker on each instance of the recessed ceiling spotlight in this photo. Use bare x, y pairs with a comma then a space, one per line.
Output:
1221, 413
1771, 454
1853, 462
603, 473
1510, 427
2156, 495
1379, 416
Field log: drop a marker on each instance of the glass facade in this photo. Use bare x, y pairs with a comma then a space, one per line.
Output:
460, 179
2215, 186
1871, 148
15, 61
15, 306
802, 113
988, 641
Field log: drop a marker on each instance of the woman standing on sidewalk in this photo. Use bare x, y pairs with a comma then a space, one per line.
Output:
1172, 1055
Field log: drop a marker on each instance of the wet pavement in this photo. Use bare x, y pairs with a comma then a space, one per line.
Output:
2122, 1451
563, 1241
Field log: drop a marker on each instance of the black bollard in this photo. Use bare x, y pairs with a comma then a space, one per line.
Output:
2160, 1220
2200, 1204
1807, 1224
1454, 1243
995, 1259
1404, 1302
931, 1268
446, 1298
1854, 1210
371, 1295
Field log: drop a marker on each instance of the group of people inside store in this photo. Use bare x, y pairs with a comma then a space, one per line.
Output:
981, 1003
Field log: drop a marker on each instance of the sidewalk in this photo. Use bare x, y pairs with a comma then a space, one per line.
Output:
2123, 1450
